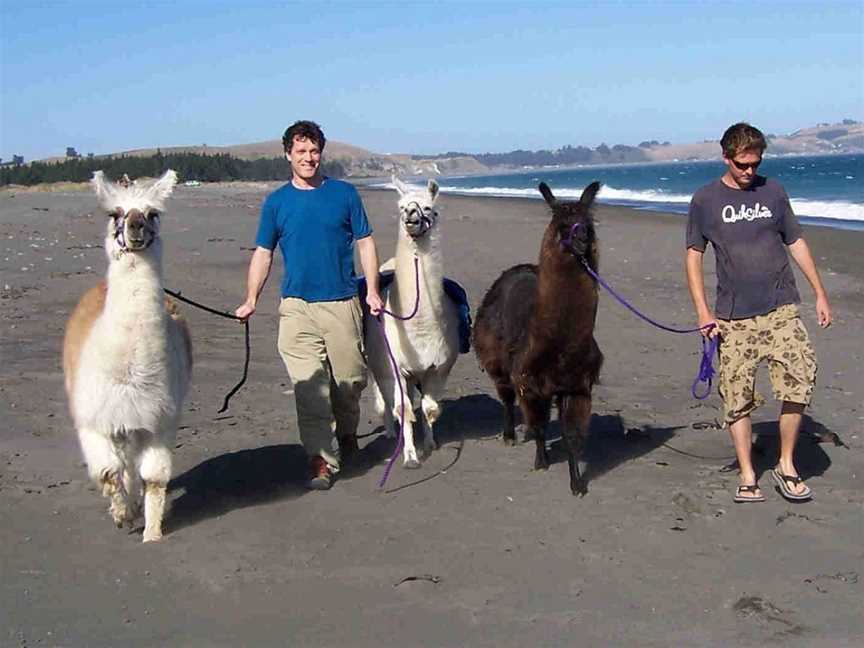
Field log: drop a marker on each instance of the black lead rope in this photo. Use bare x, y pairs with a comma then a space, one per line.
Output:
226, 315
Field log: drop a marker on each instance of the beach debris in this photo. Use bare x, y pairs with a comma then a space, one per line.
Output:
790, 515
707, 425
825, 436
686, 503
850, 577
748, 606
636, 433
420, 577
764, 610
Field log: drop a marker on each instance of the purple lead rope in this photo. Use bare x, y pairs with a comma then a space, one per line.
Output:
400, 441
706, 369
709, 347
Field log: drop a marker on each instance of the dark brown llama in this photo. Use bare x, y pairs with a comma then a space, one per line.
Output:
534, 333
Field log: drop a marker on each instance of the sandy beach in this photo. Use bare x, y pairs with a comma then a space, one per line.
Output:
474, 548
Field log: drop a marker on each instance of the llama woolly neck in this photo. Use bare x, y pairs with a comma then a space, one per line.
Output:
431, 273
134, 292
562, 284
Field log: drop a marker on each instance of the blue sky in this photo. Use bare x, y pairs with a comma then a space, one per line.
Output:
419, 77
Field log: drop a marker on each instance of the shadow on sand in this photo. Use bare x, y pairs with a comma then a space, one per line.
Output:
258, 475
481, 417
236, 480
609, 444
810, 459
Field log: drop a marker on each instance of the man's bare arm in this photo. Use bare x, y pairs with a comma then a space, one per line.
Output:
369, 262
800, 252
259, 270
696, 284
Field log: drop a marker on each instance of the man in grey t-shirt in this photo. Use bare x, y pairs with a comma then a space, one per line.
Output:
750, 223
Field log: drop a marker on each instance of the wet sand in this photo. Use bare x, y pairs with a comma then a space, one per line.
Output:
473, 549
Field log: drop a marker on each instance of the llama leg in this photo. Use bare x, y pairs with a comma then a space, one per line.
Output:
154, 509
410, 458
575, 417
536, 414
406, 424
134, 493
433, 392
105, 468
383, 410
508, 397
155, 471
431, 412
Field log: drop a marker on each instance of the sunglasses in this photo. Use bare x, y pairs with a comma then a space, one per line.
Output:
743, 166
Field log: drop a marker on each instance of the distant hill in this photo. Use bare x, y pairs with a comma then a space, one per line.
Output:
843, 137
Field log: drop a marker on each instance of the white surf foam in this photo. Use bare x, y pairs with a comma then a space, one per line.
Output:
839, 209
606, 193
835, 209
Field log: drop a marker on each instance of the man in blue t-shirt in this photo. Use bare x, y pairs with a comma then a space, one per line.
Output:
750, 223
315, 221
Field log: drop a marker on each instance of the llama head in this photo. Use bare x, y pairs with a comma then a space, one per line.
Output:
572, 226
417, 213
133, 210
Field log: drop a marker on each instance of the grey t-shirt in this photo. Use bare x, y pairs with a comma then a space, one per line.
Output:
749, 229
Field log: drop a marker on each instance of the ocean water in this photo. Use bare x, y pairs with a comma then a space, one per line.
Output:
824, 190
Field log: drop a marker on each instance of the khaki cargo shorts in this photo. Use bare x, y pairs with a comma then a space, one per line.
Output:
778, 337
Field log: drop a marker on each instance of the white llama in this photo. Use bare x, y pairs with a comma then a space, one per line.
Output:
127, 359
427, 345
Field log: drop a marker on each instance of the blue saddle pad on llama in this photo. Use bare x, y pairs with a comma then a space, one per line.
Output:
453, 290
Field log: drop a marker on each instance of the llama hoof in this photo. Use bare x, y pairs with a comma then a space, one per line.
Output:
541, 464
121, 519
119, 513
110, 482
411, 464
152, 536
579, 487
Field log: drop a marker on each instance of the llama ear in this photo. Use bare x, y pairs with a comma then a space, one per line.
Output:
164, 186
432, 187
401, 187
547, 194
589, 194
105, 190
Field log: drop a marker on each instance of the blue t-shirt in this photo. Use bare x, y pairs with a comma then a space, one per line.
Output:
315, 230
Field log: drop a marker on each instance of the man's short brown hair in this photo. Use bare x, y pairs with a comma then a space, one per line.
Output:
742, 137
304, 130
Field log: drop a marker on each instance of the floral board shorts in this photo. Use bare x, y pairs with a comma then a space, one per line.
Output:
778, 337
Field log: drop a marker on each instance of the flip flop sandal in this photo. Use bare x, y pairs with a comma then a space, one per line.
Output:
740, 498
783, 482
